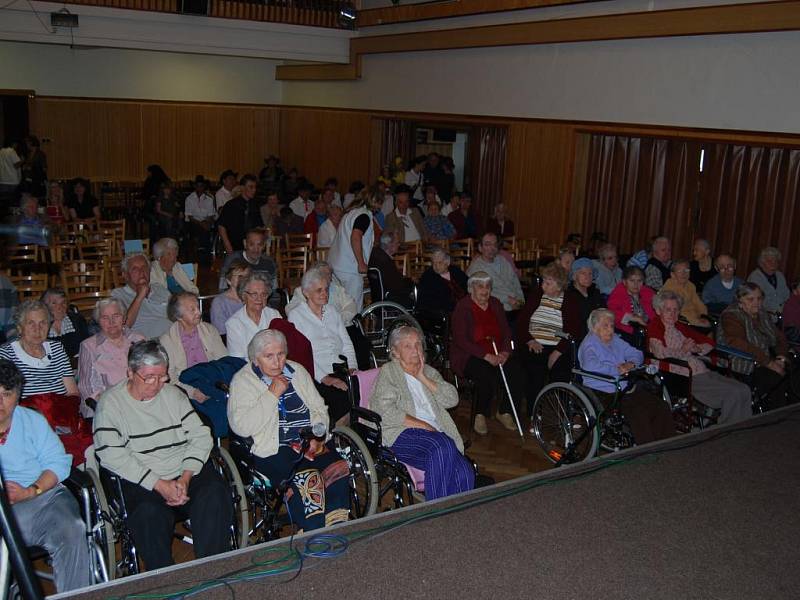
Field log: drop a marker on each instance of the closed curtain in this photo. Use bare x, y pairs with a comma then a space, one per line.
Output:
397, 139
488, 168
640, 187
748, 200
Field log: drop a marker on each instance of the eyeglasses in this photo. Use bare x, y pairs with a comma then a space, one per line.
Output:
153, 379
727, 268
114, 318
258, 295
682, 271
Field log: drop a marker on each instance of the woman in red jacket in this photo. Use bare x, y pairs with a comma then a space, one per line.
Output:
478, 320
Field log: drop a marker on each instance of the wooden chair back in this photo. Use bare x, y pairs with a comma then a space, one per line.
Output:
292, 264
95, 250
294, 240
86, 301
30, 286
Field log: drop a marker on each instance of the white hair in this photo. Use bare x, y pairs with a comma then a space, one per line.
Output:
260, 341
478, 277
103, 304
162, 246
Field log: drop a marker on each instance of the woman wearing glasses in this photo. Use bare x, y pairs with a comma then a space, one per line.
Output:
103, 358
254, 316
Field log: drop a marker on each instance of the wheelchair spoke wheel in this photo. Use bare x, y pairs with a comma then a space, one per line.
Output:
563, 421
363, 476
379, 319
240, 528
103, 534
615, 433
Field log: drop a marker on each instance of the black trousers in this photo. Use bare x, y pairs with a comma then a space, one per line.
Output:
775, 386
337, 401
649, 416
152, 522
487, 379
362, 347
539, 375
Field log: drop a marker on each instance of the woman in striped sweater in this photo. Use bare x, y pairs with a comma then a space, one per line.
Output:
546, 356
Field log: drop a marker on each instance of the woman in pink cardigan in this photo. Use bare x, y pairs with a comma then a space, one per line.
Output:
631, 302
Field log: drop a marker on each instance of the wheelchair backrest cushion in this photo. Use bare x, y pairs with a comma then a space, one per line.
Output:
366, 384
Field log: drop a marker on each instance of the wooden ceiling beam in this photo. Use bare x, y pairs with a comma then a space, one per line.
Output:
759, 17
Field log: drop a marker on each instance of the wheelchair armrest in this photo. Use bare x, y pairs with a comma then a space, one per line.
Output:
734, 352
77, 480
357, 412
594, 375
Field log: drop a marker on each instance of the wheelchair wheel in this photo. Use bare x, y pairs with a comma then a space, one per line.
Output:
379, 319
103, 535
363, 476
562, 415
224, 465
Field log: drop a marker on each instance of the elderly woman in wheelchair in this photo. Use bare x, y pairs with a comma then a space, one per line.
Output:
275, 402
33, 465
605, 353
682, 349
147, 434
412, 400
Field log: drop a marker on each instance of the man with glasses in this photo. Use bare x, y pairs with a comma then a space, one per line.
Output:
720, 291
147, 433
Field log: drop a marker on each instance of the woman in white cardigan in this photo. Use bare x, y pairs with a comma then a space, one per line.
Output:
167, 271
273, 401
189, 341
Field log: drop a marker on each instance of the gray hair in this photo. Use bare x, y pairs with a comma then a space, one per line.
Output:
103, 304
398, 334
386, 240
677, 263
53, 292
478, 277
129, 257
260, 341
174, 311
441, 253
254, 276
27, 307
161, 246
769, 252
724, 255
658, 240
147, 353
703, 242
606, 250
310, 277
664, 295
597, 315
747, 288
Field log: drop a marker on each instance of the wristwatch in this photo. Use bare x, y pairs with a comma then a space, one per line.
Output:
36, 489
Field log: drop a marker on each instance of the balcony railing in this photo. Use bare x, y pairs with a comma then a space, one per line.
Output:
313, 13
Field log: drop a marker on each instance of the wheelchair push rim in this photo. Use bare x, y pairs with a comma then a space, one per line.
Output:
103, 534
226, 467
363, 480
563, 413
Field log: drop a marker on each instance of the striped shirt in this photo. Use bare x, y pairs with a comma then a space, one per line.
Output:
293, 414
147, 440
546, 320
42, 375
66, 327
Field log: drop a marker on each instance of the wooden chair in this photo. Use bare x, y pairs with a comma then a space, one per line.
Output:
29, 287
292, 264
79, 229
509, 243
321, 254
116, 227
22, 255
77, 283
113, 269
412, 248
401, 262
461, 252
294, 240
85, 302
95, 250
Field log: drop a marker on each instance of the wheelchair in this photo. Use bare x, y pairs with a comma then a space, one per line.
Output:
265, 499
90, 498
112, 529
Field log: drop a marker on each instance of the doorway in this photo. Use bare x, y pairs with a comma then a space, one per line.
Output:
14, 116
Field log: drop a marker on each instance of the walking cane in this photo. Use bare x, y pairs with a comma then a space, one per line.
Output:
508, 390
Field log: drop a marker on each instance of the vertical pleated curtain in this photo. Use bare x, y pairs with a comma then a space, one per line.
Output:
749, 199
488, 169
640, 187
397, 139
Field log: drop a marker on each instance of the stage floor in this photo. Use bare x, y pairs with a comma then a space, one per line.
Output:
709, 515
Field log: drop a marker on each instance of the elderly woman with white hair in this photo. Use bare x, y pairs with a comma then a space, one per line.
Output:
412, 400
275, 402
189, 341
482, 344
337, 295
442, 285
167, 271
68, 327
103, 358
43, 362
322, 324
771, 281
669, 338
609, 273
604, 352
254, 291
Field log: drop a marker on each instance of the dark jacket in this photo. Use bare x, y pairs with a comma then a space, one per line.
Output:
205, 377
463, 346
394, 283
434, 292
72, 340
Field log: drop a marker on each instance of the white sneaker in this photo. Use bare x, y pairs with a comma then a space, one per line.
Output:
480, 425
507, 420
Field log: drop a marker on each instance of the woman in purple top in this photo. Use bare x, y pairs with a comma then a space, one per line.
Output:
602, 351
227, 303
189, 341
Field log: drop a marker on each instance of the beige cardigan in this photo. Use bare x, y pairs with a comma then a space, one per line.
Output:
392, 400
253, 409
157, 275
171, 340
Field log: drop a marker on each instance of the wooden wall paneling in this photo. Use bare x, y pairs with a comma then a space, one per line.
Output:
266, 128
326, 143
159, 137
65, 124
123, 144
